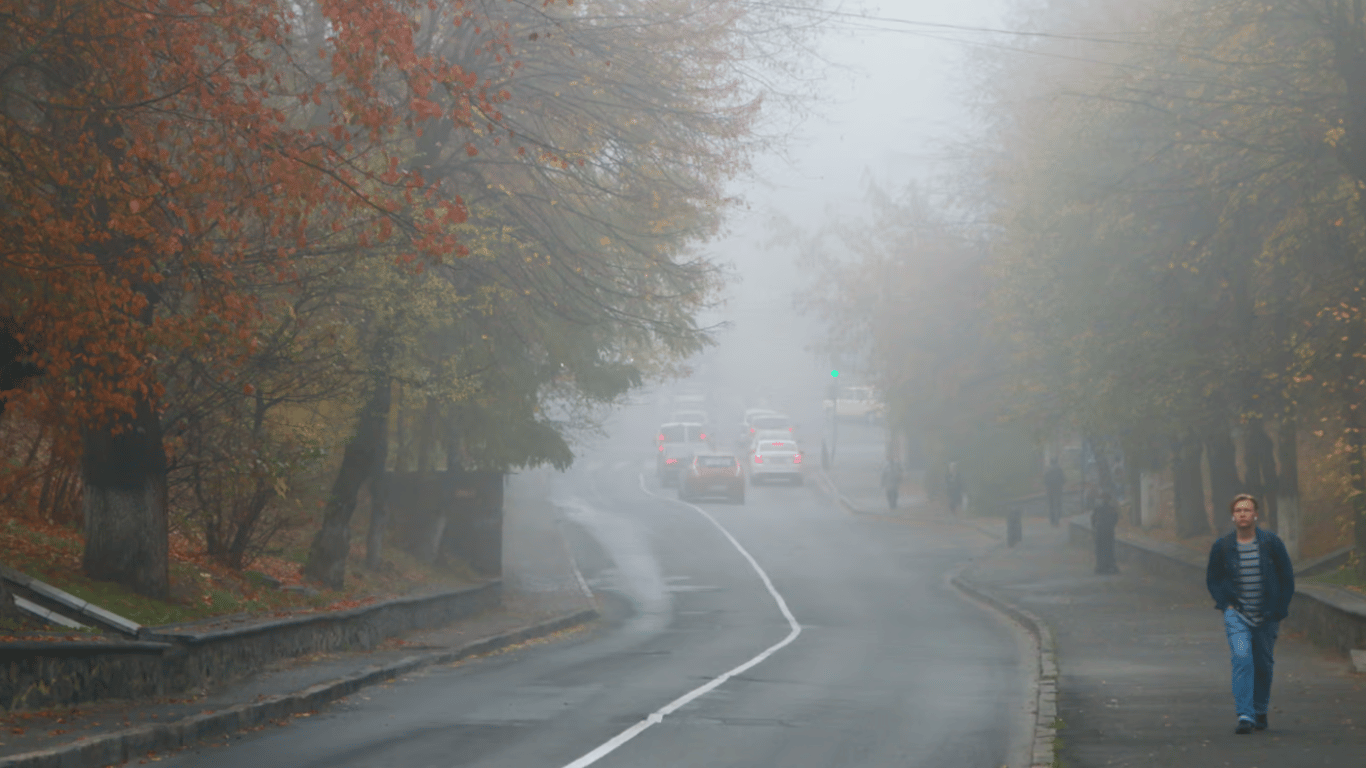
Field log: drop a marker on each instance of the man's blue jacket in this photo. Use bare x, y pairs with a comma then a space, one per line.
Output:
1278, 574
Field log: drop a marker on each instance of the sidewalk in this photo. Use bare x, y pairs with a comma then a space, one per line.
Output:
1142, 661
542, 595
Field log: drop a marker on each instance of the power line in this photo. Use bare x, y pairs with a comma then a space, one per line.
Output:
1115, 40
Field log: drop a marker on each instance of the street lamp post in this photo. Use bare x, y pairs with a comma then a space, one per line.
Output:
833, 391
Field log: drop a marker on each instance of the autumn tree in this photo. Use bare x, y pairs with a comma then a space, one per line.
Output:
1197, 240
589, 189
158, 157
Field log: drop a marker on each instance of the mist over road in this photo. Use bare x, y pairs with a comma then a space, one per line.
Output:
890, 666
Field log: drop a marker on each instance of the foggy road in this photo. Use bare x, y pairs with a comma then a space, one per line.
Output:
880, 662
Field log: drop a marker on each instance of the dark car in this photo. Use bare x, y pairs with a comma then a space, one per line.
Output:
712, 474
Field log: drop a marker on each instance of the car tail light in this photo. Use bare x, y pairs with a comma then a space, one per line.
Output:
671, 461
751, 430
703, 436
758, 459
797, 459
661, 437
661, 447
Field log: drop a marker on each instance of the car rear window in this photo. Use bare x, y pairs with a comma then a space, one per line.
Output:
770, 422
716, 461
683, 433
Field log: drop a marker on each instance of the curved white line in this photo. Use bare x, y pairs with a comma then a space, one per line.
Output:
656, 717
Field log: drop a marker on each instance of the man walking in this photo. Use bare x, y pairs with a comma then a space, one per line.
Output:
1104, 520
1251, 580
1053, 482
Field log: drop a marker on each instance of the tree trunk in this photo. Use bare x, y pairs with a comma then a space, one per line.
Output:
1189, 483
427, 437
246, 519
1356, 474
1344, 27
1223, 473
403, 444
1289, 524
330, 547
1138, 459
1105, 476
1133, 477
1260, 457
379, 507
8, 613
13, 371
126, 529
1148, 510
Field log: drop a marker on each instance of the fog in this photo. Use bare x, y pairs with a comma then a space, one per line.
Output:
892, 108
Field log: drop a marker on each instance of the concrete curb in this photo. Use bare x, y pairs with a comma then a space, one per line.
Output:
121, 746
1042, 752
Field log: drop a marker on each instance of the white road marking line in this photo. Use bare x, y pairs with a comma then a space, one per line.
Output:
574, 566
656, 717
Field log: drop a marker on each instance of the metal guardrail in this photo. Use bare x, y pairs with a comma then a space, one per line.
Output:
45, 597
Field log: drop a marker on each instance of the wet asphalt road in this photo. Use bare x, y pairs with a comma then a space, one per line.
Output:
876, 662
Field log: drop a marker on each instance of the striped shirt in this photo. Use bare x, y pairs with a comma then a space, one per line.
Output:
1250, 582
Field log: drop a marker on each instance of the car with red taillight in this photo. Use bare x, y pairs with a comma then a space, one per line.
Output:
776, 460
762, 419
676, 443
710, 475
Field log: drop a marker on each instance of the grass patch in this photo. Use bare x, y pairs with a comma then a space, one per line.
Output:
1345, 577
202, 589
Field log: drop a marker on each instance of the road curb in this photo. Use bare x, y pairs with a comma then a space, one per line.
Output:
1042, 751
121, 746
1046, 699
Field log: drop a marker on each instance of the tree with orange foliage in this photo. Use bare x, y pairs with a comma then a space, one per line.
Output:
158, 159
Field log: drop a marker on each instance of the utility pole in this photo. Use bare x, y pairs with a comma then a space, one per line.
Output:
833, 392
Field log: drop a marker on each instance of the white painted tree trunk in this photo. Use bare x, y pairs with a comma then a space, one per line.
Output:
1147, 498
1289, 523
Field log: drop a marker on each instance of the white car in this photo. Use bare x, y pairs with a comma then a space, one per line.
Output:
759, 421
862, 403
768, 434
776, 460
675, 445
691, 417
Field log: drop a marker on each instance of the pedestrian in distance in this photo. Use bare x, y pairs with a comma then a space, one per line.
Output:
891, 482
1104, 519
1053, 482
1251, 579
953, 485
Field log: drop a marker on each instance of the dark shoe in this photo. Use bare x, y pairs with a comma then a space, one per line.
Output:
1261, 722
1244, 726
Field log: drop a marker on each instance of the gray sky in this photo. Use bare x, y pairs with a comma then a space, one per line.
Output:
892, 104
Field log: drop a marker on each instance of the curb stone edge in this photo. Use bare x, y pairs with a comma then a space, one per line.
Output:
121, 746
1046, 703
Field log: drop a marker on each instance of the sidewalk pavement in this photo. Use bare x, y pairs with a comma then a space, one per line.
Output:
1142, 663
543, 594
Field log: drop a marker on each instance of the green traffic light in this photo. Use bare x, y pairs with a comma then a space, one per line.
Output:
834, 374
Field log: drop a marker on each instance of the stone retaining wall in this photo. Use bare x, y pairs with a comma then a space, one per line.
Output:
174, 660
1332, 618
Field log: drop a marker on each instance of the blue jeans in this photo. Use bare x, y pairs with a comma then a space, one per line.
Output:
1251, 648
